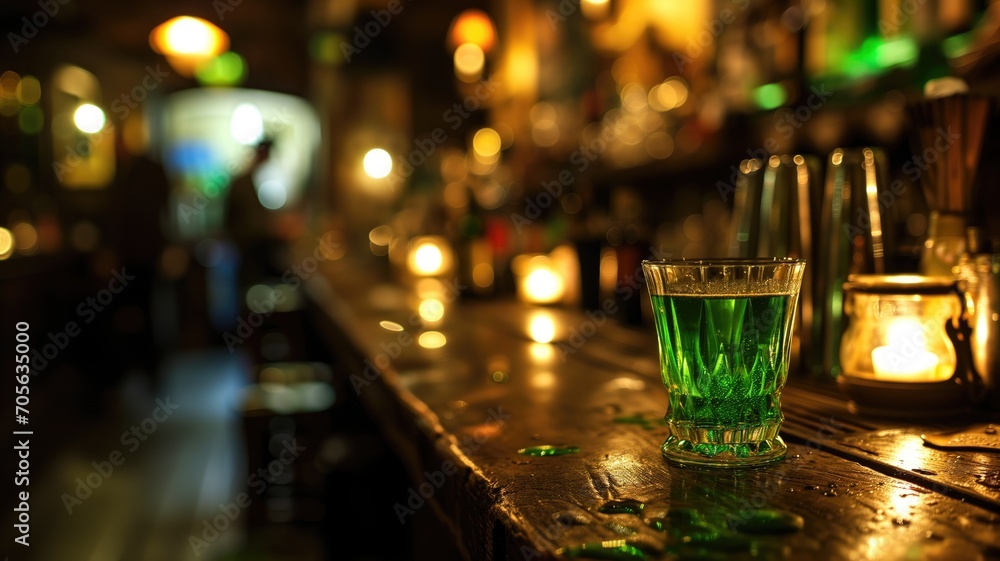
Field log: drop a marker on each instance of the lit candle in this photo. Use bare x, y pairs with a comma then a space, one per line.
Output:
905, 358
891, 363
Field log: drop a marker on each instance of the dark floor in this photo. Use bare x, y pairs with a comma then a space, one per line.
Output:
173, 489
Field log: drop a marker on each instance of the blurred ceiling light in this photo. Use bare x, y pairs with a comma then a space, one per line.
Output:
486, 145
188, 42
188, 36
469, 62
89, 118
377, 163
247, 124
475, 27
6, 243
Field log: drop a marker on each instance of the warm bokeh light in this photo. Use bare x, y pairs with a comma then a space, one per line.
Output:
25, 238
431, 310
390, 325
482, 275
377, 163
469, 62
429, 256
541, 352
486, 145
474, 27
6, 243
543, 380
432, 340
543, 286
29, 90
188, 36
89, 118
9, 82
542, 328
670, 94
595, 9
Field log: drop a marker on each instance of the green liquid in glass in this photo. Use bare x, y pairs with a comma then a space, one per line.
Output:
724, 360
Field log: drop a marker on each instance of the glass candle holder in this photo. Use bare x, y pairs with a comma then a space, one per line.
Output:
902, 353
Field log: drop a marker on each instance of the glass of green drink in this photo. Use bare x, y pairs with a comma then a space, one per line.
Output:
724, 328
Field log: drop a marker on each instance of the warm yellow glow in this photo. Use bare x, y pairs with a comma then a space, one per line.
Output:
431, 310
482, 275
29, 90
543, 380
609, 269
89, 118
474, 27
543, 286
670, 94
541, 352
188, 36
9, 81
595, 9
469, 62
486, 145
542, 328
429, 256
377, 163
390, 325
432, 340
905, 357
6, 243
25, 237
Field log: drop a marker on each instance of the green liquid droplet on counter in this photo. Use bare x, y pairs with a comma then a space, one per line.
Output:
622, 506
548, 450
638, 419
770, 522
613, 549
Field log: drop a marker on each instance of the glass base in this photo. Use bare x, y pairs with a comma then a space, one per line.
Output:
724, 447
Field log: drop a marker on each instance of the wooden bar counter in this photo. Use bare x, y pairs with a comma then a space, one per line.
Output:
458, 404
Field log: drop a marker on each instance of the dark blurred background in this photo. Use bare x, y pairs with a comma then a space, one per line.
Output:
165, 182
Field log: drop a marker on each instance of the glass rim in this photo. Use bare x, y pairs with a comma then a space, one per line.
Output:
725, 261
